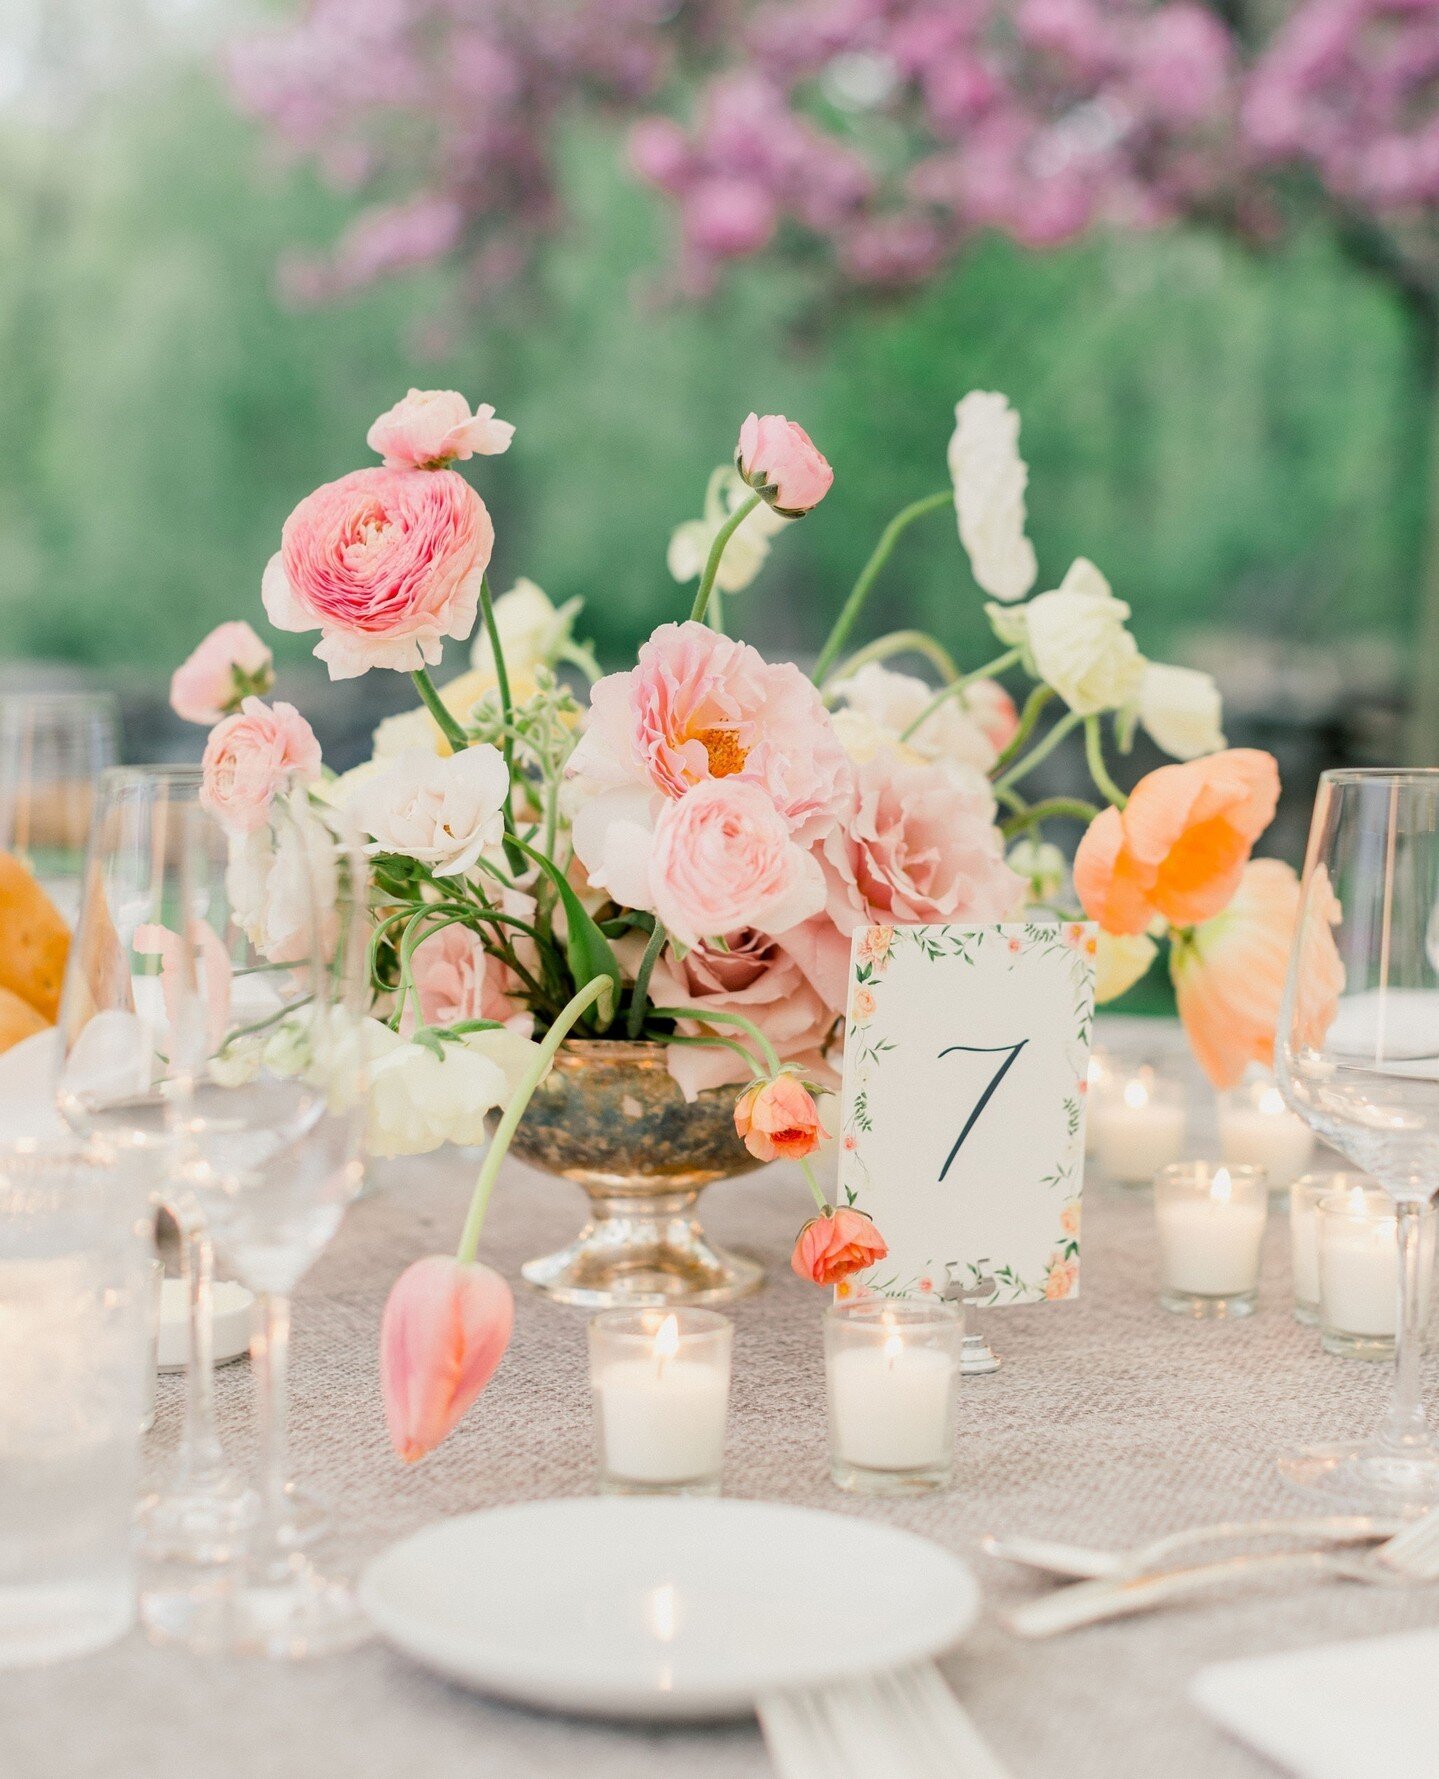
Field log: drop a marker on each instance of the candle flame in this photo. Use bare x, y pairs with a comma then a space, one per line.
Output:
667, 1340
1221, 1187
1271, 1101
1136, 1095
893, 1347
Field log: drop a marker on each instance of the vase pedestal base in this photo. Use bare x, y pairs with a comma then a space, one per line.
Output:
649, 1257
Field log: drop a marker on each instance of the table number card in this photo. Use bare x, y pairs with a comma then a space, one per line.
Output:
966, 1055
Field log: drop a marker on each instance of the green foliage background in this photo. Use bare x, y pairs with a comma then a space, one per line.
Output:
1235, 440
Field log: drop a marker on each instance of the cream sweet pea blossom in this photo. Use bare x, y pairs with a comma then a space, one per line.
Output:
1181, 710
989, 479
534, 632
955, 732
277, 875
443, 812
418, 1100
1077, 640
1121, 960
748, 547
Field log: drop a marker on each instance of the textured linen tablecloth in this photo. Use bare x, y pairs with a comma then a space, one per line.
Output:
1110, 1421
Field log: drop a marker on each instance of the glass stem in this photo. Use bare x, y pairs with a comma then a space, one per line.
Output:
270, 1353
201, 1457
1405, 1425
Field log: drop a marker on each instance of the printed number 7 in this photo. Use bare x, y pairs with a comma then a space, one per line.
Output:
1010, 1053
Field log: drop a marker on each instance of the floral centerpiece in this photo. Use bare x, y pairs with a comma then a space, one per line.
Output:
679, 853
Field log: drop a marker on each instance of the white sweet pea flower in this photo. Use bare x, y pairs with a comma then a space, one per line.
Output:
1042, 865
418, 1100
892, 701
278, 876
1181, 710
989, 479
862, 738
1077, 641
533, 631
746, 550
442, 811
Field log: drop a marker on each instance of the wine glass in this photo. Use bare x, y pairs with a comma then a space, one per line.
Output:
1357, 1056
53, 748
267, 997
117, 1084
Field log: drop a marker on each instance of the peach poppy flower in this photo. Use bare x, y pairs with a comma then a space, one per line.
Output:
1180, 845
1229, 974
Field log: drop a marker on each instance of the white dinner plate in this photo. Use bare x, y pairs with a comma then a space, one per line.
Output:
664, 1608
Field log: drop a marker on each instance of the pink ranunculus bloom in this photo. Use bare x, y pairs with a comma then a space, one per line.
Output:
445, 1329
778, 1120
457, 979
723, 857
833, 1247
778, 459
751, 974
385, 563
433, 427
231, 664
251, 757
918, 845
988, 704
697, 707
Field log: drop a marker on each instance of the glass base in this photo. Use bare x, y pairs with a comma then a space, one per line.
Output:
308, 1518
1209, 1309
624, 1485
1368, 1477
653, 1258
859, 1479
1377, 1348
1307, 1313
288, 1614
199, 1524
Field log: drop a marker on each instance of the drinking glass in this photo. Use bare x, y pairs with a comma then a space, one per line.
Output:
267, 996
117, 1084
76, 1259
53, 747
1357, 1054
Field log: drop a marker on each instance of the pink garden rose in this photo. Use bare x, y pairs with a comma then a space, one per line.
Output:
231, 664
385, 563
457, 979
919, 845
753, 975
433, 427
778, 459
251, 757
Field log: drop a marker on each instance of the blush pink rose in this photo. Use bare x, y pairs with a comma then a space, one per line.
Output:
919, 845
755, 976
433, 427
231, 664
457, 979
723, 858
778, 459
251, 757
385, 563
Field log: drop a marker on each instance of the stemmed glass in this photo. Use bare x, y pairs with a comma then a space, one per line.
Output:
53, 747
1357, 1056
267, 996
117, 1083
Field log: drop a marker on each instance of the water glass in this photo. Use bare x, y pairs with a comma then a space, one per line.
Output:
53, 747
76, 1254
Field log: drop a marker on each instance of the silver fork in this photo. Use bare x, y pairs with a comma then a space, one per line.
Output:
1077, 1560
1410, 1556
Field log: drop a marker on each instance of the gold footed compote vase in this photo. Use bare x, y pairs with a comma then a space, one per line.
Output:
611, 1118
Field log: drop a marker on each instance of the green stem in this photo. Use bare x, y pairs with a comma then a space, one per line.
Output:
897, 642
507, 709
819, 1197
1068, 722
1098, 771
509, 1122
708, 1015
1033, 707
635, 1024
448, 726
888, 538
1047, 810
717, 549
711, 1039
957, 687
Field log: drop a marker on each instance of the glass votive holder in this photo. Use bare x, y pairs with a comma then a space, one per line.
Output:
1257, 1129
1304, 1197
891, 1366
1211, 1225
660, 1380
1139, 1124
1358, 1242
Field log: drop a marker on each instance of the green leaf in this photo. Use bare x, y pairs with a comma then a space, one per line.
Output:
587, 951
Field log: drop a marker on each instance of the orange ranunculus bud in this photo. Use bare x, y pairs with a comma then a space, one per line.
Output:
778, 1120
835, 1245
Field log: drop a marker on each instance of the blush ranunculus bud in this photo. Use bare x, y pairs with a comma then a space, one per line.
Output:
445, 1329
778, 1120
230, 665
251, 757
778, 459
835, 1245
433, 427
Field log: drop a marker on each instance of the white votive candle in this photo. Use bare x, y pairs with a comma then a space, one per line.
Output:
1211, 1224
1358, 1243
1139, 1127
1257, 1129
891, 1367
661, 1392
1304, 1199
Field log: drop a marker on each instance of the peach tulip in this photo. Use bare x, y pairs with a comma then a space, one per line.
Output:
445, 1329
833, 1246
1179, 847
778, 1120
